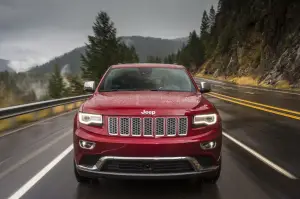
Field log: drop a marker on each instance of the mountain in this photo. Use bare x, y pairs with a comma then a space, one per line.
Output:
258, 39
71, 58
4, 66
149, 46
145, 46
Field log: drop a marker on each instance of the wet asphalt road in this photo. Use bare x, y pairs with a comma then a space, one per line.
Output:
277, 138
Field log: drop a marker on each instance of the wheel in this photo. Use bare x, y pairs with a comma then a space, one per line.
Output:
83, 179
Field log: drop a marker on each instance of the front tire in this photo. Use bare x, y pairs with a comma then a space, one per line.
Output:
83, 179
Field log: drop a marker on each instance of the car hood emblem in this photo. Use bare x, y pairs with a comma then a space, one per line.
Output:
145, 112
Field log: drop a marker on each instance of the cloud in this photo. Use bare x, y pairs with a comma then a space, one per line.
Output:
32, 31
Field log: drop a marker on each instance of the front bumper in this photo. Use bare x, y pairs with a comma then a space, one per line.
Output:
98, 170
172, 157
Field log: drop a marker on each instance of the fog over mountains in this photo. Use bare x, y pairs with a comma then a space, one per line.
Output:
4, 66
145, 46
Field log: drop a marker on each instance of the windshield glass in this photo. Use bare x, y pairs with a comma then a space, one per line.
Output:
146, 78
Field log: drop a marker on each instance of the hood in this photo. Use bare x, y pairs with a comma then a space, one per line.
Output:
142, 100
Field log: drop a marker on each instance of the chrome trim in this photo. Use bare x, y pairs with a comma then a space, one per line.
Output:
109, 125
141, 127
93, 168
120, 126
152, 128
187, 126
176, 126
203, 171
194, 163
155, 126
96, 169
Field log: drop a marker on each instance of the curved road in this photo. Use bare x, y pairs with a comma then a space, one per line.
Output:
261, 156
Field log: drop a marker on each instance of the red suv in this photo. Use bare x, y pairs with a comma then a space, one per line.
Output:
147, 121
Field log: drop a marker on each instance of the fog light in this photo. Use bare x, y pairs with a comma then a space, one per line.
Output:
208, 145
86, 144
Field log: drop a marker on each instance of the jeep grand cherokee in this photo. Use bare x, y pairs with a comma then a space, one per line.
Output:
147, 121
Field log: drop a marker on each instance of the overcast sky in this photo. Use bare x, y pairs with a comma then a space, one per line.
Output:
34, 31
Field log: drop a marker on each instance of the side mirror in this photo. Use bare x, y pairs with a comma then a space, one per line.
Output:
89, 86
205, 87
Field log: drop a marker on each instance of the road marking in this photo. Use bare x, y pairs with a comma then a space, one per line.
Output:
262, 89
33, 124
26, 187
259, 104
261, 158
256, 107
34, 154
251, 93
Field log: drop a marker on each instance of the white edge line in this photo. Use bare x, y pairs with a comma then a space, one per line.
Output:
3, 134
261, 158
34, 154
26, 187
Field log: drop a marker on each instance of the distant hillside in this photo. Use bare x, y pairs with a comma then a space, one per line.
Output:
4, 66
145, 46
257, 39
71, 58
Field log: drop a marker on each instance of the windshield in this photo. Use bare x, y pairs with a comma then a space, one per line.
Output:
154, 79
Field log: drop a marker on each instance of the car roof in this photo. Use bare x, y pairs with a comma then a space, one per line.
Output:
152, 65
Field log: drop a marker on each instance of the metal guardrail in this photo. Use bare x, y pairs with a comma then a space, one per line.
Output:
36, 106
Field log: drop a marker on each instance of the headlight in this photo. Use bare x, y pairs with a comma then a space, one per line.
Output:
86, 118
209, 119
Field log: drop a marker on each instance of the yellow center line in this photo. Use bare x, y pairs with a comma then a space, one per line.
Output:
258, 104
256, 107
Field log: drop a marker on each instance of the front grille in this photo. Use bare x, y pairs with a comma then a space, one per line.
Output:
159, 127
124, 126
136, 126
113, 127
148, 126
136, 166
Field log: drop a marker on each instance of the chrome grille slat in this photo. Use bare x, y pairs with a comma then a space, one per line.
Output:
136, 129
159, 126
182, 126
171, 127
124, 126
113, 126
147, 126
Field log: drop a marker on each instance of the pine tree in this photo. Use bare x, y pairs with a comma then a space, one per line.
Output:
220, 3
102, 49
158, 59
205, 24
195, 49
76, 86
212, 18
154, 59
127, 54
56, 85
